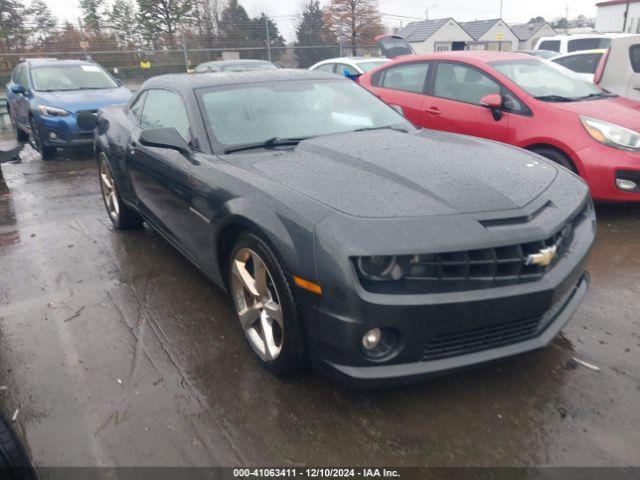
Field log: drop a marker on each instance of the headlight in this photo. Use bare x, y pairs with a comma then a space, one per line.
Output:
46, 111
611, 134
383, 268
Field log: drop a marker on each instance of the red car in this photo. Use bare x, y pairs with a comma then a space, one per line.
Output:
527, 102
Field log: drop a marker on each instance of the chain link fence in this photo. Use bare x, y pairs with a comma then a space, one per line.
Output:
135, 66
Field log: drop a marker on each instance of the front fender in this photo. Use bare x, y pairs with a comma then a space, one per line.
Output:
288, 234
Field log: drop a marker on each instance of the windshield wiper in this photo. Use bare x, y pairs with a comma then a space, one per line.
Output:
272, 142
386, 127
597, 95
555, 98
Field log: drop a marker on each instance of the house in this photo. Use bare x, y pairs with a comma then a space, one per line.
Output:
440, 35
611, 16
490, 35
530, 33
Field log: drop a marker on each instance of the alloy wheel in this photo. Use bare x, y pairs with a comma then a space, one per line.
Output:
257, 304
109, 192
35, 135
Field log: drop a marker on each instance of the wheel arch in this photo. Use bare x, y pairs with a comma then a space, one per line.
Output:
562, 150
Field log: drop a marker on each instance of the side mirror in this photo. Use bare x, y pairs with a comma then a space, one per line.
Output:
18, 89
86, 120
493, 102
165, 138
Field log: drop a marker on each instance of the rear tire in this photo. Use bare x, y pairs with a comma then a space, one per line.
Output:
282, 350
121, 215
21, 136
556, 156
14, 462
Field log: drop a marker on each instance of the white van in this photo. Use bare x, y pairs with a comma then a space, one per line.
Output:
619, 69
564, 44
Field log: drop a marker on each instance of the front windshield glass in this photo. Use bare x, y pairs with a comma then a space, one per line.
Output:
254, 113
71, 77
546, 81
366, 66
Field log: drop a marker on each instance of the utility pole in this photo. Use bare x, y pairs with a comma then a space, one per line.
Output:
266, 26
500, 16
566, 15
626, 16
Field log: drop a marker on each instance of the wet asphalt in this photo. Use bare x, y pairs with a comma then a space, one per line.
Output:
114, 350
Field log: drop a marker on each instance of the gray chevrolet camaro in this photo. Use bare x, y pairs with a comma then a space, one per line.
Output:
347, 238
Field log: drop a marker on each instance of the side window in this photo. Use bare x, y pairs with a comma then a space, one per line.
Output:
16, 74
341, 68
634, 53
464, 84
587, 44
552, 45
409, 78
327, 67
511, 104
164, 109
136, 108
20, 76
586, 63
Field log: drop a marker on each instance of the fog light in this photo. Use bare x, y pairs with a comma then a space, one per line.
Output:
53, 135
624, 184
371, 339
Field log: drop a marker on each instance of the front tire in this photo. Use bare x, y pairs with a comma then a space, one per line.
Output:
47, 153
266, 308
556, 156
121, 215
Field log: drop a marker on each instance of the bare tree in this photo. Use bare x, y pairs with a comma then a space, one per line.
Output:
356, 20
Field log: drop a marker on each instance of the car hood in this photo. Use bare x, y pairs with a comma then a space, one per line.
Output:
76, 100
621, 111
386, 173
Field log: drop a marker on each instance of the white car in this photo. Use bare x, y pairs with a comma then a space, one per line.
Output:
619, 71
564, 44
583, 63
349, 66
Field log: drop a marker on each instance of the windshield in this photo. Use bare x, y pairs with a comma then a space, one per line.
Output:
546, 81
366, 66
71, 77
254, 113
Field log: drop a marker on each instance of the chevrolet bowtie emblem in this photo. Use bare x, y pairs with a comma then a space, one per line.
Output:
544, 257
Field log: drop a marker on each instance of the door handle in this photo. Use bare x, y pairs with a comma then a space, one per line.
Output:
433, 111
132, 147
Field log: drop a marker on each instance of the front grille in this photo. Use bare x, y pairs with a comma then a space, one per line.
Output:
452, 344
502, 264
492, 336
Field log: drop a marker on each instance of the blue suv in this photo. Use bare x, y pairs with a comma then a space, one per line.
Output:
45, 95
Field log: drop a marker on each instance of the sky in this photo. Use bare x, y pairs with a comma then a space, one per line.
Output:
513, 11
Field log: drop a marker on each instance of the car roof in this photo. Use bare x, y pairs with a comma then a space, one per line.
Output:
581, 52
224, 63
185, 81
41, 62
469, 56
352, 60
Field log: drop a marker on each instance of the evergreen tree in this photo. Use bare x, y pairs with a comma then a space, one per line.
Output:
43, 21
123, 22
164, 18
311, 31
92, 14
258, 37
13, 32
234, 26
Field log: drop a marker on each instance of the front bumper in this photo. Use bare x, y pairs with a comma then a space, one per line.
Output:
441, 332
602, 164
66, 131
399, 374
